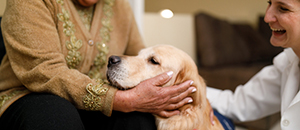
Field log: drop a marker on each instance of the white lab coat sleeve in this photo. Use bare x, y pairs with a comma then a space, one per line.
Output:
259, 97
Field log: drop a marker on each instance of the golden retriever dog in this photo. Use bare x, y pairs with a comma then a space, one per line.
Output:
126, 72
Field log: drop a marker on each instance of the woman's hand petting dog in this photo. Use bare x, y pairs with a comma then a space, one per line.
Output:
150, 97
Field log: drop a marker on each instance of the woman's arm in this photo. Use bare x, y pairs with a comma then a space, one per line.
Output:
35, 52
259, 97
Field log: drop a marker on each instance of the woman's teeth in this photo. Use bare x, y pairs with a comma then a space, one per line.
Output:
277, 30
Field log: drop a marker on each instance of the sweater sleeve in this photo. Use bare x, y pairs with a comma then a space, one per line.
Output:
35, 53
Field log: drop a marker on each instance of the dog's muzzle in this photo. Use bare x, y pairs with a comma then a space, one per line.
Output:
112, 70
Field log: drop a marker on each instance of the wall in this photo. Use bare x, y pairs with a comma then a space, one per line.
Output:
138, 10
2, 6
232, 10
177, 31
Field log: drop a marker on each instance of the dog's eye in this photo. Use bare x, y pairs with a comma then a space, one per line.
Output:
153, 61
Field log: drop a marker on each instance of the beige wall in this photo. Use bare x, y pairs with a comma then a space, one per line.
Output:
232, 10
2, 6
177, 31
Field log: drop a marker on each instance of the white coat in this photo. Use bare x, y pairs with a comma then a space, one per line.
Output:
275, 88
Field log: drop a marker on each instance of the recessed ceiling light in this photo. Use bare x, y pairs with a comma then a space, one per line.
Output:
166, 13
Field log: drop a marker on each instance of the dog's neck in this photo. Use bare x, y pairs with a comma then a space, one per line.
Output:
191, 117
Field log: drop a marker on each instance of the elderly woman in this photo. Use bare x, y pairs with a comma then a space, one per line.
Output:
53, 75
275, 88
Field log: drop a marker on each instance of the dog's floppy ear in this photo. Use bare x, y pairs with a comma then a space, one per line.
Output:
183, 75
180, 78
187, 73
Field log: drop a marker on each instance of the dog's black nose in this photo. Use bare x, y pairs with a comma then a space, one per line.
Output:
113, 60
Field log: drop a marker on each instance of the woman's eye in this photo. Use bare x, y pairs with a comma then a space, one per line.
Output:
154, 61
284, 9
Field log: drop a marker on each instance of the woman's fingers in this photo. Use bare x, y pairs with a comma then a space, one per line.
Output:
181, 96
179, 104
167, 114
212, 116
161, 79
176, 90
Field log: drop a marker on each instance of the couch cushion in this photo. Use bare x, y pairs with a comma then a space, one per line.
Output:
259, 47
218, 43
265, 31
221, 43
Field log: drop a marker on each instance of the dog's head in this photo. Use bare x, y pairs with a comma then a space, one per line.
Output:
126, 72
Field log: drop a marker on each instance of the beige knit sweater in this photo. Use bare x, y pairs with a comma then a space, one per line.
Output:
49, 50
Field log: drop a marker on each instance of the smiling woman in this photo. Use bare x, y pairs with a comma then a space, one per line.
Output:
283, 18
276, 87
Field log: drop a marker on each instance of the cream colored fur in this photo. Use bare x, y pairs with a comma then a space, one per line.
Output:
134, 69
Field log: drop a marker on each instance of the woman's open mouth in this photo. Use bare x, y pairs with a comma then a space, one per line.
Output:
278, 31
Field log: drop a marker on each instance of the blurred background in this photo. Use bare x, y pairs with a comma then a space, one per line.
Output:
179, 30
226, 38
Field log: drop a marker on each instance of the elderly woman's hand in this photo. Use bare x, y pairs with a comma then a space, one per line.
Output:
150, 97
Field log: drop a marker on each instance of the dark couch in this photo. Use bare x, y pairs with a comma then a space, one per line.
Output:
2, 48
230, 54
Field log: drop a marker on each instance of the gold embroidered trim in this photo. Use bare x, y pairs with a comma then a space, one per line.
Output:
7, 97
86, 16
93, 100
99, 62
74, 56
102, 47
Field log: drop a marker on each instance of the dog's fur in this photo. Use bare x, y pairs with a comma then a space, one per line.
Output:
153, 61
